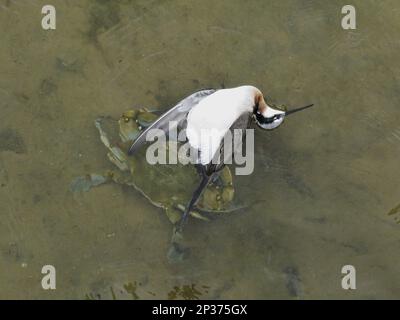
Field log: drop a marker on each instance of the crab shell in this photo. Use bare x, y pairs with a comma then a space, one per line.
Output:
168, 186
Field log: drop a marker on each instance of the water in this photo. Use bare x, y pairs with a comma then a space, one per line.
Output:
324, 182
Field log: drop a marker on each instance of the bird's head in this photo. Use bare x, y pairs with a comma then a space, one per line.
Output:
268, 117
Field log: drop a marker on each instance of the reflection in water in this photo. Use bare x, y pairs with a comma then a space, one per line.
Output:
322, 185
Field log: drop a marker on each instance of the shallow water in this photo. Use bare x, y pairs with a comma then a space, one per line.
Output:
324, 182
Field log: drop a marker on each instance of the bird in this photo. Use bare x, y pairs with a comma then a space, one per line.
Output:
214, 112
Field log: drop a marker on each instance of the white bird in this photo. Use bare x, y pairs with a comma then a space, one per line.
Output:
207, 116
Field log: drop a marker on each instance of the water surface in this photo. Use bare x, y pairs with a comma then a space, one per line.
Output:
323, 185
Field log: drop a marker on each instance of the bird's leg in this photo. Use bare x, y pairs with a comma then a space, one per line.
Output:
196, 195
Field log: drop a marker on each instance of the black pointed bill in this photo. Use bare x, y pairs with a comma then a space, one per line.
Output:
298, 109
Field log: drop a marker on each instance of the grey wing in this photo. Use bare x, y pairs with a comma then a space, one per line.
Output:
176, 114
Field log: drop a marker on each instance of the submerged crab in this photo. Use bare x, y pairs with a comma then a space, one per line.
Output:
167, 186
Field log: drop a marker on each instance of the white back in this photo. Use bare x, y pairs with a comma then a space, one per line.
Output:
211, 118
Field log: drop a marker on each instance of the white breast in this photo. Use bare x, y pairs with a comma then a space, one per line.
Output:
209, 121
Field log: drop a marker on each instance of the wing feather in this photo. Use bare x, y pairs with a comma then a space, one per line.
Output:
177, 114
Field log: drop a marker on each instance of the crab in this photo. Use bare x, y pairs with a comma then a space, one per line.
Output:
166, 186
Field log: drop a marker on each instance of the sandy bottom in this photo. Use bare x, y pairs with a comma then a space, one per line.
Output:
323, 185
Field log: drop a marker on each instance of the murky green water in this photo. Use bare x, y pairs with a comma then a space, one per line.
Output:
328, 178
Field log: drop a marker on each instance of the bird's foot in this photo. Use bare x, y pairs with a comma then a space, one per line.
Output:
177, 235
177, 251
